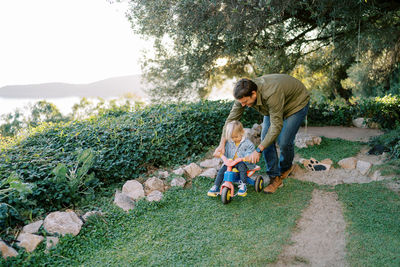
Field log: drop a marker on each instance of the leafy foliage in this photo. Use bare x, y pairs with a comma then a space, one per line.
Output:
123, 145
390, 140
258, 37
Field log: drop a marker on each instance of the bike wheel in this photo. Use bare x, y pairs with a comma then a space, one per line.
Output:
226, 195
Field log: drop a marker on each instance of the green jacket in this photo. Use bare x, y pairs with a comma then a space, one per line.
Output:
278, 96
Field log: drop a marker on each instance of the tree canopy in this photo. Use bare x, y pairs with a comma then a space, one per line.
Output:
198, 43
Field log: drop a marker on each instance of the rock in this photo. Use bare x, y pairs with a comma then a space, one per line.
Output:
363, 166
163, 174
153, 184
7, 251
377, 176
133, 189
91, 213
304, 140
29, 241
32, 227
327, 161
123, 201
155, 196
51, 241
348, 163
63, 223
179, 181
211, 173
211, 163
193, 170
359, 123
179, 171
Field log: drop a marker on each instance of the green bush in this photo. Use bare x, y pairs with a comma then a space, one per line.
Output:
390, 140
383, 110
124, 145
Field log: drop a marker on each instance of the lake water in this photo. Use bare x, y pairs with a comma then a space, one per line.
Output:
8, 105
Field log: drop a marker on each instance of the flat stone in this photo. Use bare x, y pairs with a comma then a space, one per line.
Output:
363, 166
348, 163
211, 173
123, 201
7, 251
91, 213
32, 227
179, 171
29, 241
153, 184
178, 181
63, 223
155, 196
133, 189
193, 170
211, 163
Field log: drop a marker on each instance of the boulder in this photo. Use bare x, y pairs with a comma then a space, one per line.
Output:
304, 140
348, 163
32, 227
153, 184
363, 166
7, 251
179, 171
211, 163
123, 201
211, 173
154, 196
63, 222
360, 123
163, 174
29, 241
133, 189
178, 181
193, 170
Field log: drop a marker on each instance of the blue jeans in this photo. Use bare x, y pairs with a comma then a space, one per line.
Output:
285, 139
241, 167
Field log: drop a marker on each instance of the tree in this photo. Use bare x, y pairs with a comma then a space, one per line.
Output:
259, 36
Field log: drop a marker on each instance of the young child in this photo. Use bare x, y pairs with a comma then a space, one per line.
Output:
236, 147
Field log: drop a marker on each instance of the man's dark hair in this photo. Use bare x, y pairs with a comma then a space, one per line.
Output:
243, 88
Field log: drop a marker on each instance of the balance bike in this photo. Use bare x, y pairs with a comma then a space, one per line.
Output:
231, 176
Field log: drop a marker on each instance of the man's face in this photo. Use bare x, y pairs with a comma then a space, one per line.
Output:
248, 100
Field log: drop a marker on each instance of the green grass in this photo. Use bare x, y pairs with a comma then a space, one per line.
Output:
335, 149
372, 213
186, 228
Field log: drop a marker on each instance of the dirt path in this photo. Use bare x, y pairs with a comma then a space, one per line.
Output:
319, 239
346, 133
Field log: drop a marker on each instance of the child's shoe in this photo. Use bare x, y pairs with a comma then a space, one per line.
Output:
213, 192
242, 189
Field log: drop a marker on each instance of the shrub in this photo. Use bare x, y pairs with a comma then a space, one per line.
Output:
124, 145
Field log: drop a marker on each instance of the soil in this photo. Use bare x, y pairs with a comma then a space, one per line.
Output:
320, 238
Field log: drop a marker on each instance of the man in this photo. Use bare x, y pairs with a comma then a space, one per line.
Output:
284, 102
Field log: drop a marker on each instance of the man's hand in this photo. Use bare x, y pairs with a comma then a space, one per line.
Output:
219, 151
254, 157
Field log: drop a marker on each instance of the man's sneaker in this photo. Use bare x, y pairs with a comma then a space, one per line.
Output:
213, 192
274, 185
242, 189
285, 174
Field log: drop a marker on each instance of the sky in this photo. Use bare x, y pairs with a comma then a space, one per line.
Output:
72, 41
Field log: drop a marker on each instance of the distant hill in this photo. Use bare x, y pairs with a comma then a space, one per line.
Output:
112, 87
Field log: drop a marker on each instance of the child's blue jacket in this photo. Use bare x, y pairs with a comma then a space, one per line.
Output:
245, 148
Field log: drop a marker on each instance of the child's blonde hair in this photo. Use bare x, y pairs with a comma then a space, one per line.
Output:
233, 127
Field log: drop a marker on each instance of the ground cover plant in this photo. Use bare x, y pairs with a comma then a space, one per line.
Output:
186, 228
372, 213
